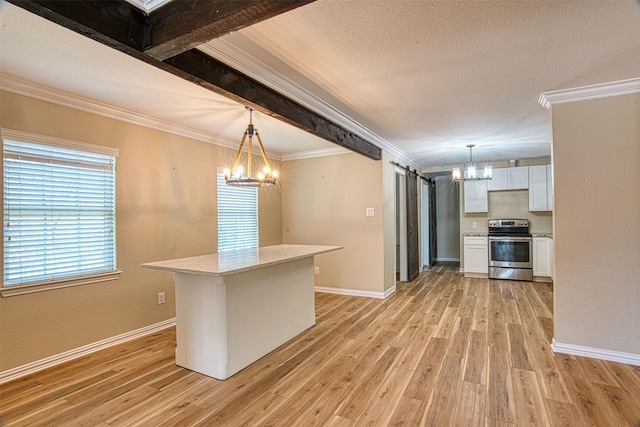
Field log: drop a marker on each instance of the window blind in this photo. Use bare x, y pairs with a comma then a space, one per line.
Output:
237, 216
59, 213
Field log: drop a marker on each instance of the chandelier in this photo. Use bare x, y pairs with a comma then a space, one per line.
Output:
471, 170
234, 176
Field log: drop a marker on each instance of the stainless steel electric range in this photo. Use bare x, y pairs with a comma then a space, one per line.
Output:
510, 249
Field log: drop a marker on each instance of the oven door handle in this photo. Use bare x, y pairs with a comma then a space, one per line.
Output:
509, 239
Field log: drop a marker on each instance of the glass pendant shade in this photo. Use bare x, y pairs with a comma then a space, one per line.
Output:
471, 170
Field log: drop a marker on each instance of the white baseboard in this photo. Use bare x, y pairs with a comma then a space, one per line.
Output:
75, 353
356, 292
596, 353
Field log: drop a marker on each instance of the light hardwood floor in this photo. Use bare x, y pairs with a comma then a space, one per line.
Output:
443, 350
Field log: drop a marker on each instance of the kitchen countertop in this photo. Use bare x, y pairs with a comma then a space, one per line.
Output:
549, 235
241, 260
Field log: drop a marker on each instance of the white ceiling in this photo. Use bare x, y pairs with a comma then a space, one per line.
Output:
419, 78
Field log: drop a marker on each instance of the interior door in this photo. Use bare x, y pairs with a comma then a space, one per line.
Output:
425, 240
401, 226
429, 235
433, 243
413, 240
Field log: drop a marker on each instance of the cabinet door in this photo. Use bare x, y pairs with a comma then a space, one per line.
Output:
476, 257
518, 178
538, 188
475, 196
542, 256
500, 180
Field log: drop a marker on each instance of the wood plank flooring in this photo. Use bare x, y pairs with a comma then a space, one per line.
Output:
443, 350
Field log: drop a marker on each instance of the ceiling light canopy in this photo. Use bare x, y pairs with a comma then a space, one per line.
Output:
471, 171
235, 177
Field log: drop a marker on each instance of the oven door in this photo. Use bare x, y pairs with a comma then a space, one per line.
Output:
513, 252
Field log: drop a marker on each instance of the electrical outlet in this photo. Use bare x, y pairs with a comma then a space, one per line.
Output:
317, 270
370, 212
475, 225
161, 298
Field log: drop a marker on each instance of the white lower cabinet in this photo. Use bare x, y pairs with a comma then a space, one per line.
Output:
543, 257
476, 255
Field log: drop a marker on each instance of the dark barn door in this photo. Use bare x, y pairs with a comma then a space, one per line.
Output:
433, 244
413, 245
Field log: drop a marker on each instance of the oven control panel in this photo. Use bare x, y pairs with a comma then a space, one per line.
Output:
495, 223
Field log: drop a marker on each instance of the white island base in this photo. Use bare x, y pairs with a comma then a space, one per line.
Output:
234, 308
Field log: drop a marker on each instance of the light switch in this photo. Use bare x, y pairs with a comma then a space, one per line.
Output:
371, 212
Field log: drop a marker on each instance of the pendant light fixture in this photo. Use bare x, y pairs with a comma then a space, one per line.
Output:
235, 177
471, 170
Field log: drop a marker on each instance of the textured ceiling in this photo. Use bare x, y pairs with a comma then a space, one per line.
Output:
421, 77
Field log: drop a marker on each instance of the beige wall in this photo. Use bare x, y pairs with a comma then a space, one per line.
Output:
447, 219
166, 208
324, 201
505, 204
596, 167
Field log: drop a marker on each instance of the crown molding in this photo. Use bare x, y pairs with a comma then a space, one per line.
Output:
235, 58
58, 97
147, 5
315, 153
603, 90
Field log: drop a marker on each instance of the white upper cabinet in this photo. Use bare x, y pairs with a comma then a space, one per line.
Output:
516, 178
540, 190
476, 198
499, 181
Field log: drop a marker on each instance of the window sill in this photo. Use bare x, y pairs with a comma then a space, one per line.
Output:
15, 290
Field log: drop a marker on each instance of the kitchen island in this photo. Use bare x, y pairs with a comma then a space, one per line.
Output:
234, 307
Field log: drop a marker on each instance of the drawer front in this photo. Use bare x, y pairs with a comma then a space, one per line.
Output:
475, 240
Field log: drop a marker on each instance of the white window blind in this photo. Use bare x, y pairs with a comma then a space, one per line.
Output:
59, 213
237, 216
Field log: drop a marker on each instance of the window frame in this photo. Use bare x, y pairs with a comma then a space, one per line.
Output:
64, 282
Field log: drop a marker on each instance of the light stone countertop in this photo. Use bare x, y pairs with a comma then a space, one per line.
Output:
232, 262
485, 234
542, 235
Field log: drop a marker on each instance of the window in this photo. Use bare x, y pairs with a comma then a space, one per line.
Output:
237, 216
59, 210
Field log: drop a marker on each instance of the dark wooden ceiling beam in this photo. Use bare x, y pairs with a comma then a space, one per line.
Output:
117, 24
182, 25
220, 78
111, 22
